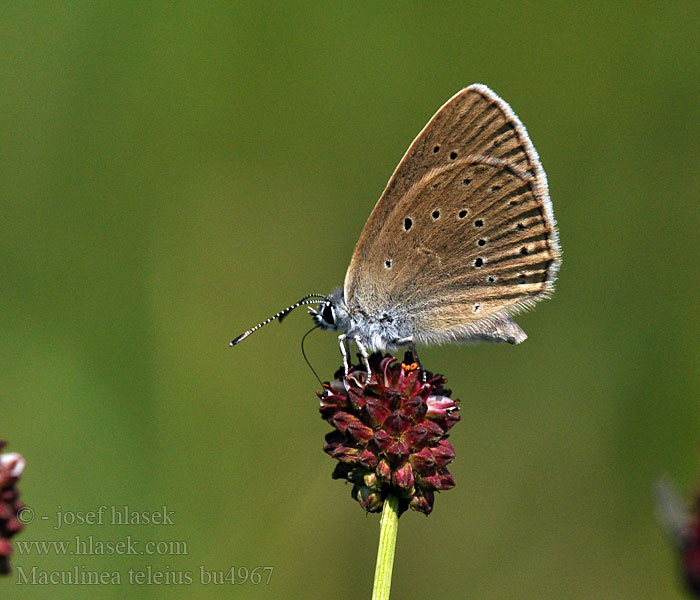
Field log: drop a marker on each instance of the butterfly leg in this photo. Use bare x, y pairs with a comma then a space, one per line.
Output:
342, 342
417, 359
365, 356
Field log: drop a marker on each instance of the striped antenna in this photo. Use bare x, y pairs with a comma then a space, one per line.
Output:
281, 314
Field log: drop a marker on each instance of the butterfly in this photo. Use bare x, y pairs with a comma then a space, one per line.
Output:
462, 238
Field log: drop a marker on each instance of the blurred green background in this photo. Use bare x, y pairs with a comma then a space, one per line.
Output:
172, 173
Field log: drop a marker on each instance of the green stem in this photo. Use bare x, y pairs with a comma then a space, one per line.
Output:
388, 528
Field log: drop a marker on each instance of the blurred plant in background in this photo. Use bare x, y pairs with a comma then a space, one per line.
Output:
11, 468
682, 523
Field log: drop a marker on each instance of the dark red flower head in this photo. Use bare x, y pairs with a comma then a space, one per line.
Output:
11, 467
390, 433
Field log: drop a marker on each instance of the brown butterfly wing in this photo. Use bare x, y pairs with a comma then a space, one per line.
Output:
464, 229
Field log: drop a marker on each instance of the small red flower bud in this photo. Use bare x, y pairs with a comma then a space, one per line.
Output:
370, 480
382, 439
415, 408
422, 502
443, 453
340, 420
360, 432
402, 478
397, 423
440, 480
422, 461
376, 413
345, 454
397, 453
416, 436
369, 499
368, 459
440, 406
383, 471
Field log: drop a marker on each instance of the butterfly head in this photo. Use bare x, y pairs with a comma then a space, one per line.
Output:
325, 315
332, 313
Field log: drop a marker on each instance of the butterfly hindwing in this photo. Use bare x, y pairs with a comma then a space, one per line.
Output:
464, 230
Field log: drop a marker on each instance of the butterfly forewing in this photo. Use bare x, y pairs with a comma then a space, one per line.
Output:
464, 229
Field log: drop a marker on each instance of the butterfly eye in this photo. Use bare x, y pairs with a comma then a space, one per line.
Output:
327, 314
